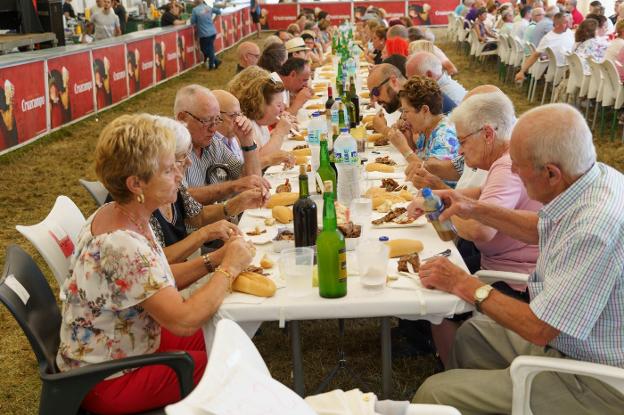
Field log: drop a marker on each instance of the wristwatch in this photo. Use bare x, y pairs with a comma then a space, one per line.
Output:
481, 294
249, 148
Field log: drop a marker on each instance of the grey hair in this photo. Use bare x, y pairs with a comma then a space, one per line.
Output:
180, 132
185, 97
493, 108
422, 62
558, 134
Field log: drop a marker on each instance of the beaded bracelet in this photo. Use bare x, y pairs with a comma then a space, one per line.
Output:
208, 263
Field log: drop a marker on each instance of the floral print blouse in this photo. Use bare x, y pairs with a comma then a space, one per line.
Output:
442, 143
594, 48
110, 275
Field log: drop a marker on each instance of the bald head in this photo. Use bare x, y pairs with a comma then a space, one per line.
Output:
482, 89
424, 64
191, 97
384, 71
248, 54
197, 107
227, 101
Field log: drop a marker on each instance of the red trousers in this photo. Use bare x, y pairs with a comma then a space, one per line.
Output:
148, 387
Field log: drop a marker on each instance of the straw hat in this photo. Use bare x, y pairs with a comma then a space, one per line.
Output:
296, 44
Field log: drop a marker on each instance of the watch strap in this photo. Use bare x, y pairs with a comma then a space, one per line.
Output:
249, 148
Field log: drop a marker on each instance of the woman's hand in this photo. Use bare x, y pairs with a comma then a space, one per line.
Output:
249, 199
222, 230
238, 255
398, 140
283, 126
416, 208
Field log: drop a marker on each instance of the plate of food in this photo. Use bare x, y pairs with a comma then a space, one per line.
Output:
396, 218
284, 239
259, 234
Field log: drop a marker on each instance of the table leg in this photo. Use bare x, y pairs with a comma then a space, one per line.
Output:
386, 359
295, 344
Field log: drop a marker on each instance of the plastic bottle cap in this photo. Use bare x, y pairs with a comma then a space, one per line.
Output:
316, 114
344, 130
383, 239
426, 192
338, 99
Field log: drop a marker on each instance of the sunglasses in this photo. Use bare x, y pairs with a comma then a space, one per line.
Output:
209, 122
376, 91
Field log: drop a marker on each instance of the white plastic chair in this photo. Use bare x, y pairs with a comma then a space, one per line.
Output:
423, 409
96, 190
58, 230
577, 80
554, 74
490, 276
525, 368
594, 92
617, 89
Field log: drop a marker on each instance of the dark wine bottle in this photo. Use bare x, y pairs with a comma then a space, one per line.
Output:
304, 214
330, 99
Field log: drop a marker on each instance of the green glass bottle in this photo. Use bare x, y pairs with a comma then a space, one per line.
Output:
331, 251
334, 48
353, 98
339, 84
325, 170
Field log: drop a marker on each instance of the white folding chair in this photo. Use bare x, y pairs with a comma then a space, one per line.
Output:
577, 80
56, 235
608, 92
525, 368
617, 88
96, 190
504, 52
594, 92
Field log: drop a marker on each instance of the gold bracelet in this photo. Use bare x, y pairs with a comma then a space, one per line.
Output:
227, 274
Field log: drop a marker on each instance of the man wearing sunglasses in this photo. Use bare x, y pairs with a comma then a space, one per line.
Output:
384, 83
197, 107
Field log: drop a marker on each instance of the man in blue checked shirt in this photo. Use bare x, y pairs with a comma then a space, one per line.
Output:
576, 307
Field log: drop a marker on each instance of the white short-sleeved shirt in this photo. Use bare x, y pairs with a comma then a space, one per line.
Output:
560, 43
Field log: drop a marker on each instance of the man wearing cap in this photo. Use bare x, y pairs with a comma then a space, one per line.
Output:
294, 74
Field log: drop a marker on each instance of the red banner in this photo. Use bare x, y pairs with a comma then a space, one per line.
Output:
70, 88
140, 61
246, 21
279, 16
165, 55
109, 73
426, 12
186, 49
219, 41
394, 9
338, 12
22, 103
238, 24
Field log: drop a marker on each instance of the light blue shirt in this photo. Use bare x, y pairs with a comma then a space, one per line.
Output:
578, 283
202, 18
541, 28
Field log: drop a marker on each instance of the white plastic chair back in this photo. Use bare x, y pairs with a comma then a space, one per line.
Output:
504, 50
576, 75
236, 378
96, 190
56, 236
525, 368
518, 51
609, 91
615, 83
595, 82
423, 409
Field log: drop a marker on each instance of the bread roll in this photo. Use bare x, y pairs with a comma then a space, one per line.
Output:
384, 168
375, 192
302, 152
392, 197
315, 107
266, 262
254, 284
405, 194
365, 94
368, 118
282, 199
374, 137
282, 214
299, 160
400, 247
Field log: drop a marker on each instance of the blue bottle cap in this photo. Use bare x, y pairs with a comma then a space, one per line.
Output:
383, 239
344, 130
316, 114
426, 192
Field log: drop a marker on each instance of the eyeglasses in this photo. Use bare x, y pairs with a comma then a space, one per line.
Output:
462, 139
208, 122
376, 91
181, 161
231, 114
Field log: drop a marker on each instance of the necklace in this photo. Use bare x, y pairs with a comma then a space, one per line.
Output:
141, 226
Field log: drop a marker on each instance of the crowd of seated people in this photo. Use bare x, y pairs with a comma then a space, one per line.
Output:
524, 194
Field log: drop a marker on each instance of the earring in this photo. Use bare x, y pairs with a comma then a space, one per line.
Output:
141, 198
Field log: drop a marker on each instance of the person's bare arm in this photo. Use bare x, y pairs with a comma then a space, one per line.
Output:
181, 250
244, 132
518, 224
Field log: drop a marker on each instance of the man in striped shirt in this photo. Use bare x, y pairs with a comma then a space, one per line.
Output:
215, 173
576, 307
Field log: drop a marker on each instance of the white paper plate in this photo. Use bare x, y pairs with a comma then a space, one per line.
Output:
260, 213
263, 238
421, 221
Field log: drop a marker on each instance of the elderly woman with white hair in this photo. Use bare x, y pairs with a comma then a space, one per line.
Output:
484, 123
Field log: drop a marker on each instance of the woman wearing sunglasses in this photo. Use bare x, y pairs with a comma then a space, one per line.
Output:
425, 131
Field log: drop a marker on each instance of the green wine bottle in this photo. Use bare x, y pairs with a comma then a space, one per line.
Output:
325, 170
331, 251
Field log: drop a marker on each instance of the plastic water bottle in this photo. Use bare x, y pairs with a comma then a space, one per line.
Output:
335, 110
348, 166
316, 129
434, 207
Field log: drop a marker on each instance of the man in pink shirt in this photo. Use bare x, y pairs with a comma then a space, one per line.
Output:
577, 17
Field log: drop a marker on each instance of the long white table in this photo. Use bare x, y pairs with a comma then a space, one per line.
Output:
408, 299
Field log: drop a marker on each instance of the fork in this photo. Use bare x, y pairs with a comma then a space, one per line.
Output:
445, 253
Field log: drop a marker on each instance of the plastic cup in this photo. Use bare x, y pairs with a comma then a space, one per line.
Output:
318, 199
296, 267
361, 211
315, 157
373, 263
